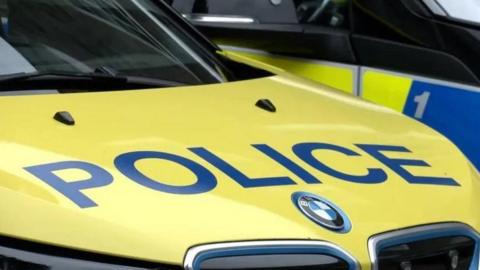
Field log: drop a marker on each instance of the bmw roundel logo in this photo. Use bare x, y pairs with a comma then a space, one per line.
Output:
322, 211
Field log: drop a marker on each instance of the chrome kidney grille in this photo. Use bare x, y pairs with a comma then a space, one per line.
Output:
446, 246
269, 255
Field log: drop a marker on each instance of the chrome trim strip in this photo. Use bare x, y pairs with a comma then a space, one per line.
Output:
219, 18
194, 252
446, 228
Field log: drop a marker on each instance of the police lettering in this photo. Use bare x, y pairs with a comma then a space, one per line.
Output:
207, 181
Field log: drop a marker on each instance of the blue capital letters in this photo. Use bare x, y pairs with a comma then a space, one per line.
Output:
305, 152
397, 164
287, 163
99, 177
206, 181
238, 176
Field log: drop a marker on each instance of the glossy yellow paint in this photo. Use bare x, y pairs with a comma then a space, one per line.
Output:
137, 222
386, 89
335, 75
380, 87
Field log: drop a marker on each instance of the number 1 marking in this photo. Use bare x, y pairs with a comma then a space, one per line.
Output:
422, 101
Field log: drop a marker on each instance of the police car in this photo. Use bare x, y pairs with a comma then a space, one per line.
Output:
419, 57
128, 141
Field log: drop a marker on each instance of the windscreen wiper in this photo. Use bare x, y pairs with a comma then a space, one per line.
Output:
98, 80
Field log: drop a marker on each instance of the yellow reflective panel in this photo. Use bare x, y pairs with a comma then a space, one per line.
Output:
386, 89
338, 76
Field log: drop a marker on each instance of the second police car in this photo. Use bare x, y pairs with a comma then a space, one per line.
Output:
128, 141
419, 57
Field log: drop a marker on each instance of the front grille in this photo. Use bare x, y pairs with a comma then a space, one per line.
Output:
276, 262
445, 253
270, 255
435, 247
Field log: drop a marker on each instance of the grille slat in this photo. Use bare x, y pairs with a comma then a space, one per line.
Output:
447, 253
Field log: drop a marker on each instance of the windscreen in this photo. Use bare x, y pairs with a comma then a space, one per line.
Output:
132, 37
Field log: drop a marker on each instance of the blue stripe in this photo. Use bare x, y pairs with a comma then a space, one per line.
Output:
454, 112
